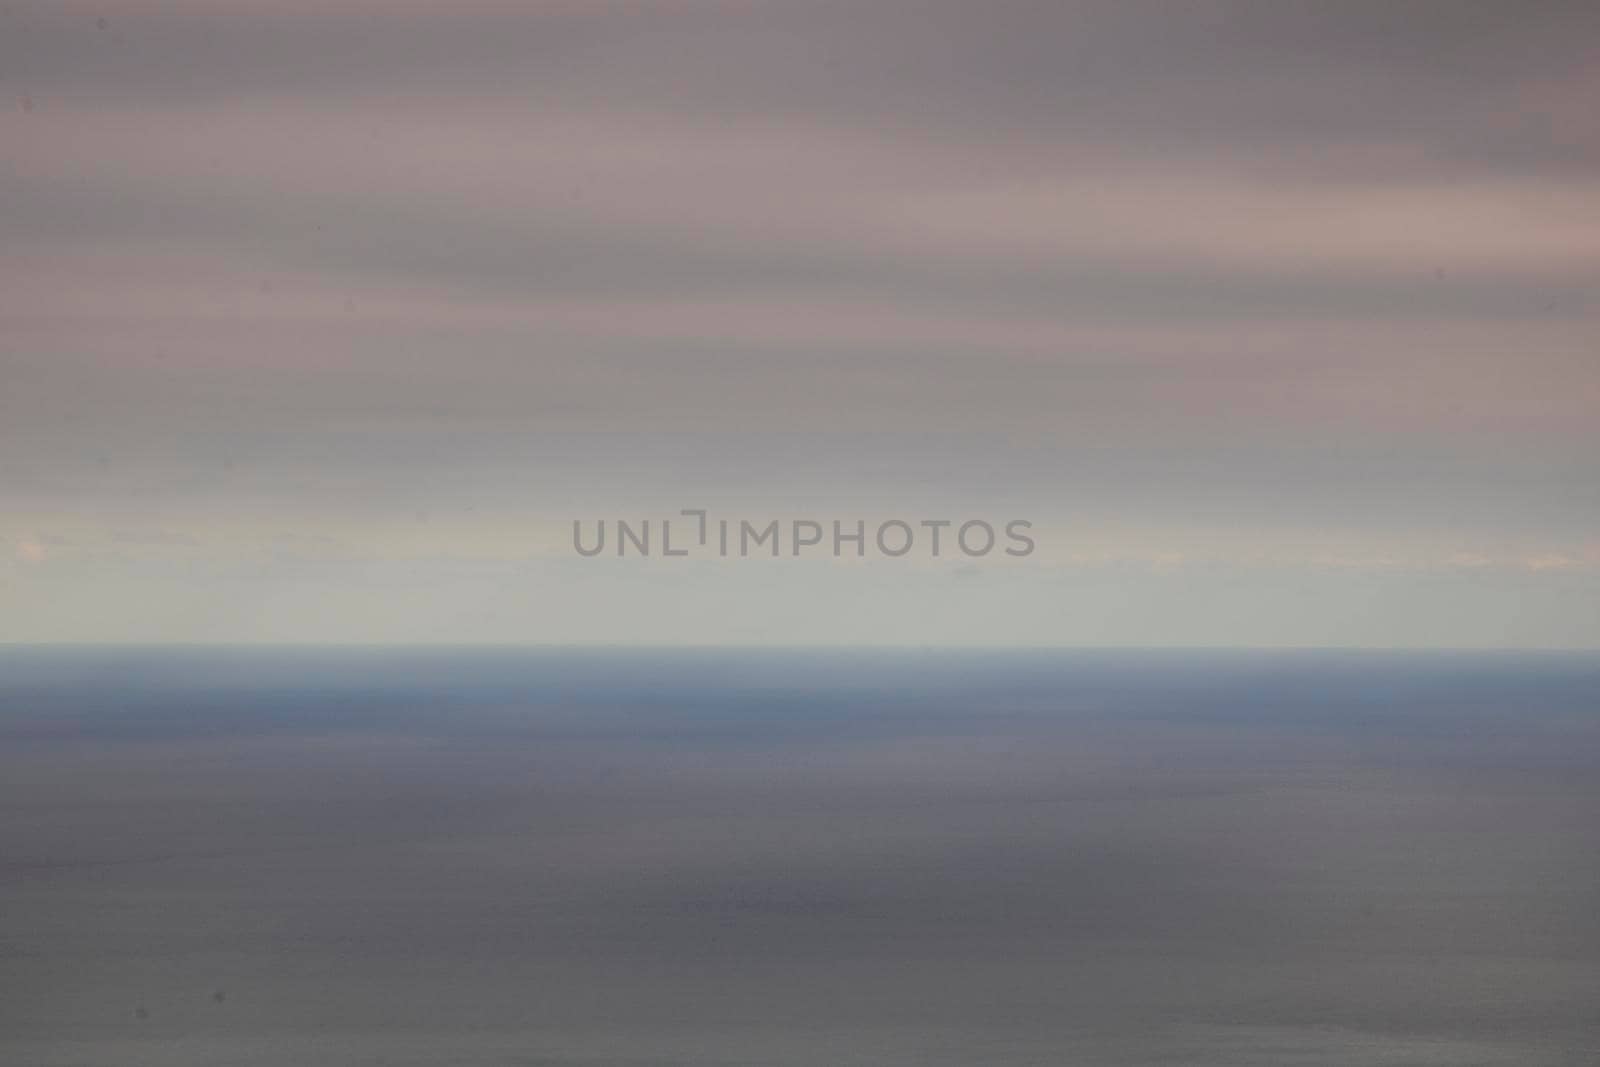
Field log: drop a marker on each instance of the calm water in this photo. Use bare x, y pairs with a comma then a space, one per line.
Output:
558, 858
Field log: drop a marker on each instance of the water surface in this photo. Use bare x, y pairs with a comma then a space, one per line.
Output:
496, 857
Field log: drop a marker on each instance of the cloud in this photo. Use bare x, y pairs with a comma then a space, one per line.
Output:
1263, 267
32, 550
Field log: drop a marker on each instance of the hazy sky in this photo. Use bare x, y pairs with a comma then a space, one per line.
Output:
322, 321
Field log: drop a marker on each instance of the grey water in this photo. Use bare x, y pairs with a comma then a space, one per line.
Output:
562, 858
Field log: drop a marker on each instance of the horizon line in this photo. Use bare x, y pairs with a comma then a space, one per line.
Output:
591, 646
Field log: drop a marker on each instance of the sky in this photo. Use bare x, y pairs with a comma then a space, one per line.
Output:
322, 322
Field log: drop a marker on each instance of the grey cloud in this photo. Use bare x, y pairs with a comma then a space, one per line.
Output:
1259, 76
541, 251
1244, 267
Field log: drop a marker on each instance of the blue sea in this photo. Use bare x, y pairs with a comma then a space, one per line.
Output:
555, 858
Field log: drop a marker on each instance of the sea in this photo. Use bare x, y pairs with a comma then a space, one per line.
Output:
242, 857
